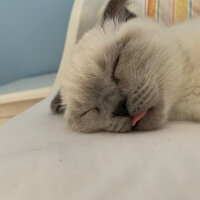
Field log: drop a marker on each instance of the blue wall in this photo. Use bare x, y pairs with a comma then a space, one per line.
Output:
32, 35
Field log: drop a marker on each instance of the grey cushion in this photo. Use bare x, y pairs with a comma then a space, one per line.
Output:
40, 158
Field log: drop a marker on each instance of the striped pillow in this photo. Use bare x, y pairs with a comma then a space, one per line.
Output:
167, 12
171, 11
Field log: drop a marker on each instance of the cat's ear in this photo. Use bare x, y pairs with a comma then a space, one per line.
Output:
116, 10
57, 105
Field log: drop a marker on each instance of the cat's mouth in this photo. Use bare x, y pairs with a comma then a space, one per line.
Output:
138, 117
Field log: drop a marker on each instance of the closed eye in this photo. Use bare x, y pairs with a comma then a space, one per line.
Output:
97, 109
114, 69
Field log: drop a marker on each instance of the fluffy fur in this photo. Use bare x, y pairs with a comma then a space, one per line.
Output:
126, 65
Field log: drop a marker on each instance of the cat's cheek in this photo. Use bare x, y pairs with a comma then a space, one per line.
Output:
150, 123
155, 118
73, 123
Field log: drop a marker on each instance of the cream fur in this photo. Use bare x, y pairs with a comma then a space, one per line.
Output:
188, 105
179, 76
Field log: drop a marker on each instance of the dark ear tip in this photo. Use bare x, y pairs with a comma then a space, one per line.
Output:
117, 10
57, 106
129, 15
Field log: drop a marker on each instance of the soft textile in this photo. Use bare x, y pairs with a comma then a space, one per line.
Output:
166, 12
41, 159
171, 11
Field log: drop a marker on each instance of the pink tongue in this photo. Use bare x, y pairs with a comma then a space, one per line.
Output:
138, 118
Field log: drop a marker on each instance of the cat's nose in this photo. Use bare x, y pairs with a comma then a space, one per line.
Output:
121, 109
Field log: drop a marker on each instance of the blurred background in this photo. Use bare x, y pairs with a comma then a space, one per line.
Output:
32, 36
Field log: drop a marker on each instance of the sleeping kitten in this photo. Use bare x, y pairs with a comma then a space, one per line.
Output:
132, 73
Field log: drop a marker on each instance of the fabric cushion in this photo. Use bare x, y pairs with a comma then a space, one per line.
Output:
40, 158
166, 12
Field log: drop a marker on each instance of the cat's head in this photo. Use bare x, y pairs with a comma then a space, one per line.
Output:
119, 69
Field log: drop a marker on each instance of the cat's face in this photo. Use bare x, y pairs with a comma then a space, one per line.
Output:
117, 71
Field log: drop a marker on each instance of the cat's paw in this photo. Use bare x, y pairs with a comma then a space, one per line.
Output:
57, 105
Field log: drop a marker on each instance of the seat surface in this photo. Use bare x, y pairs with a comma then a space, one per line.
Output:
40, 158
31, 83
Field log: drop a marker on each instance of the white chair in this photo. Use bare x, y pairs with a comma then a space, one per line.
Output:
40, 158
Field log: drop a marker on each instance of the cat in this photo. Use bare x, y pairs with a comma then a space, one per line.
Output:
131, 73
